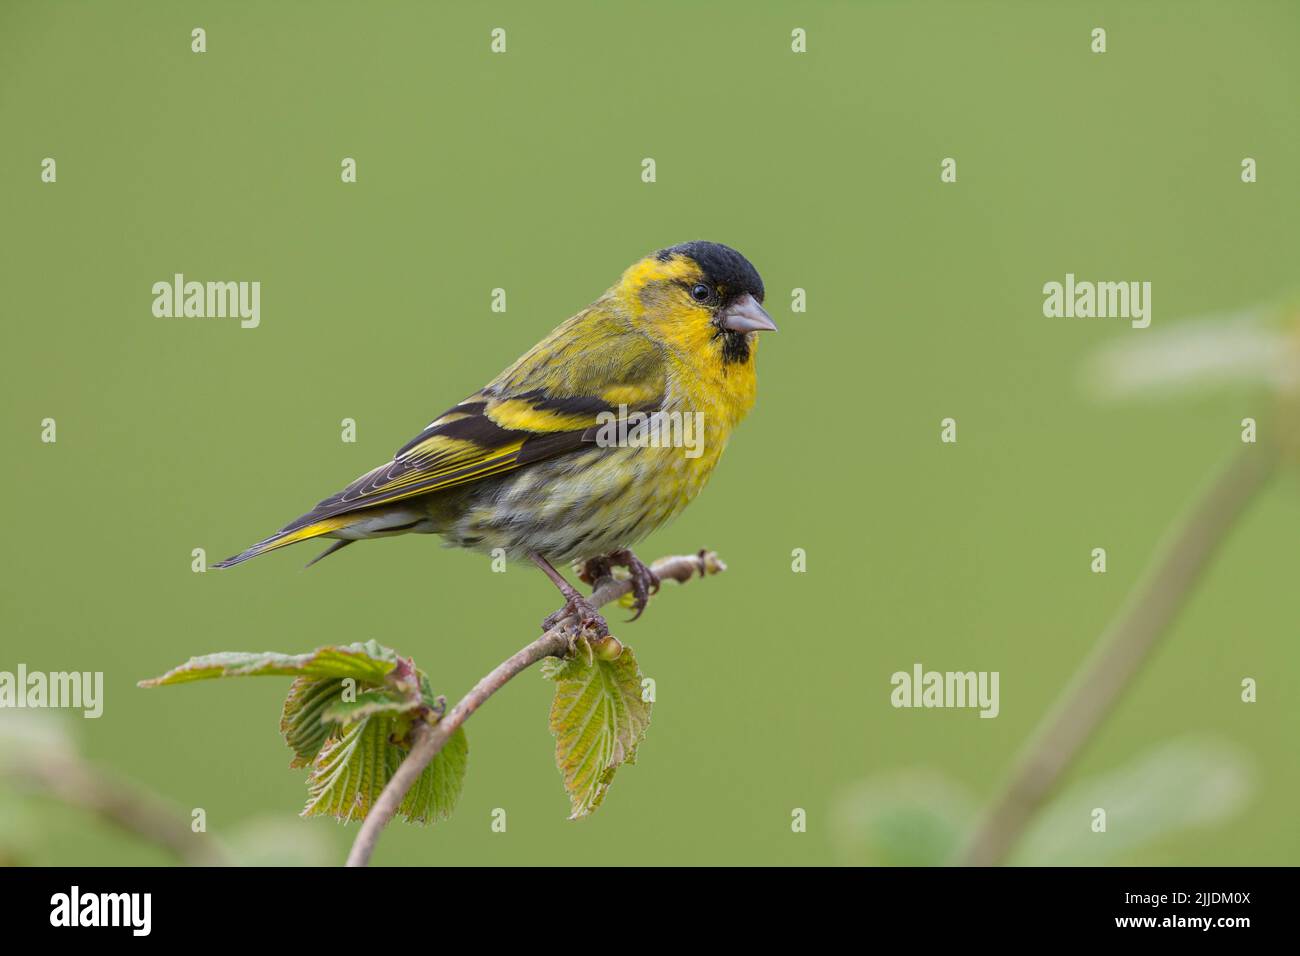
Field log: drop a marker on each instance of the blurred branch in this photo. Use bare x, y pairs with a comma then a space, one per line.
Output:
1119, 655
81, 785
429, 739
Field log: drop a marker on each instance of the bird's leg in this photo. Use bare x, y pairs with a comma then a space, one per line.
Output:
574, 603
644, 581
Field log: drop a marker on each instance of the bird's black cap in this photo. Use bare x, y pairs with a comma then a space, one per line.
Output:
723, 265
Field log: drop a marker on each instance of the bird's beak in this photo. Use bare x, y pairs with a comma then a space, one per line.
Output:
746, 315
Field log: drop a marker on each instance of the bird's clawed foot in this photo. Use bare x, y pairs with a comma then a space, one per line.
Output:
589, 619
644, 581
593, 570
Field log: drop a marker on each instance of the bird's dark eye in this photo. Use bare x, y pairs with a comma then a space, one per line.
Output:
701, 293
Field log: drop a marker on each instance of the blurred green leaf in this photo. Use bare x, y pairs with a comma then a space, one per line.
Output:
1185, 783
908, 818
27, 738
1252, 347
269, 841
921, 817
22, 832
35, 734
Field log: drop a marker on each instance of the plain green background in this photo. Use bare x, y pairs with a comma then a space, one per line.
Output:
523, 171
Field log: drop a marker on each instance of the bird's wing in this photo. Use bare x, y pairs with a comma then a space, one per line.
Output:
546, 404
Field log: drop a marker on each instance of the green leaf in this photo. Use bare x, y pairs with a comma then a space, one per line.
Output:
368, 703
300, 721
349, 772
352, 769
435, 793
351, 747
598, 719
369, 663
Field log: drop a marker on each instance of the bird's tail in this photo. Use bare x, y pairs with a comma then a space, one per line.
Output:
292, 535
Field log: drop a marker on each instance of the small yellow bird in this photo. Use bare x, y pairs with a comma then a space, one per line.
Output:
602, 432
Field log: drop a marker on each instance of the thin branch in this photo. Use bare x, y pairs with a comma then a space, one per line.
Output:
1119, 655
80, 784
429, 739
